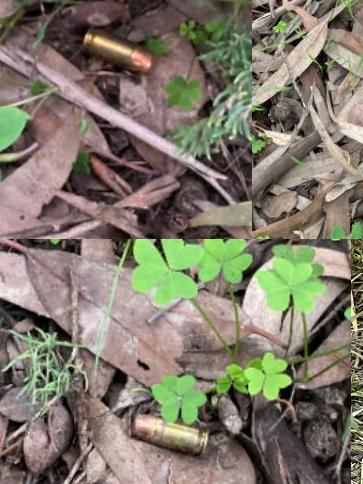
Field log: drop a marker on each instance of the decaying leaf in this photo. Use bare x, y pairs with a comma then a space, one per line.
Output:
238, 215
24, 193
17, 407
47, 438
146, 353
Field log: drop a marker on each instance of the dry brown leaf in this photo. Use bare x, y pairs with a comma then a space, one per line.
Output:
336, 214
237, 215
337, 153
298, 60
325, 168
45, 442
275, 206
298, 221
17, 407
132, 345
24, 193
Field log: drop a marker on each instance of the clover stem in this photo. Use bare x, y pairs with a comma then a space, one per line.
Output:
306, 346
237, 322
336, 362
320, 354
290, 332
213, 328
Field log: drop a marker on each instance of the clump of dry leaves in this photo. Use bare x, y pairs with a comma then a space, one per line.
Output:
307, 121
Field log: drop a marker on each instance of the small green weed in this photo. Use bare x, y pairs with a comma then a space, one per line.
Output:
280, 28
293, 276
47, 375
81, 165
156, 46
176, 395
234, 378
267, 375
167, 276
258, 144
226, 257
227, 48
183, 94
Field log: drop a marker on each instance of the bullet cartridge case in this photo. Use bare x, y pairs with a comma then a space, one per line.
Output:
177, 437
120, 52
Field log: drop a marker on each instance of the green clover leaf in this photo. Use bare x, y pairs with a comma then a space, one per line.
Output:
293, 276
12, 124
268, 378
176, 395
165, 276
156, 46
183, 94
234, 377
357, 231
227, 257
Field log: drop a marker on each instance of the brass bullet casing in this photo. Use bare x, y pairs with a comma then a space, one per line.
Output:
120, 52
171, 436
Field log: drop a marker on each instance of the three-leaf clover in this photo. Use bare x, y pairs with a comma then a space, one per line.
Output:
227, 257
183, 94
267, 376
177, 395
235, 378
280, 28
292, 276
166, 276
12, 124
156, 46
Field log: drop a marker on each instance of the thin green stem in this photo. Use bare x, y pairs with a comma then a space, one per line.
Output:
28, 100
101, 338
306, 347
213, 328
309, 378
237, 322
290, 332
321, 354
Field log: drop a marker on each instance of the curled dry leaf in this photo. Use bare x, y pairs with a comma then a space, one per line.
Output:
47, 438
24, 193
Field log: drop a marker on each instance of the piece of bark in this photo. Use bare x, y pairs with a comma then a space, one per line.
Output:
284, 456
